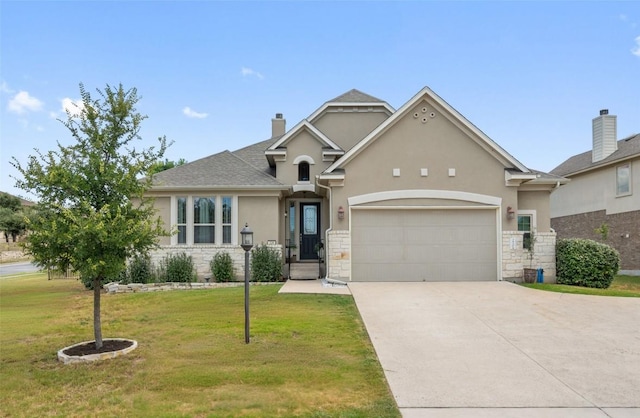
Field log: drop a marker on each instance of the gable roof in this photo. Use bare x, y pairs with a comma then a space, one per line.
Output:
275, 149
355, 96
352, 98
222, 170
627, 148
426, 91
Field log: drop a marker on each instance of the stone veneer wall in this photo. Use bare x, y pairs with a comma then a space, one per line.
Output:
203, 254
339, 255
515, 258
624, 232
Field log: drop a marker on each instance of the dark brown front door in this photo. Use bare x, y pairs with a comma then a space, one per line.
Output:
309, 230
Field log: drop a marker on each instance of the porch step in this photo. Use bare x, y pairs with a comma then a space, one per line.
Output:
303, 271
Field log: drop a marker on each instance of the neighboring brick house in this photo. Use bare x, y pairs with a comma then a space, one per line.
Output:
602, 199
413, 194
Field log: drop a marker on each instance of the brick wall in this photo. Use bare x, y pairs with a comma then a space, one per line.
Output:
624, 232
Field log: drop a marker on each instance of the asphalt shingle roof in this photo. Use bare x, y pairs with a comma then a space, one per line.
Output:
254, 155
627, 147
355, 96
219, 170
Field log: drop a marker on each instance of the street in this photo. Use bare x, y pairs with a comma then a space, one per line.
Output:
9, 269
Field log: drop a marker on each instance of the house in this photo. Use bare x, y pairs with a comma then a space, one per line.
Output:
600, 202
413, 194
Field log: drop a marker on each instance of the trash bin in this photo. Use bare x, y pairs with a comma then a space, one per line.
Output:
540, 276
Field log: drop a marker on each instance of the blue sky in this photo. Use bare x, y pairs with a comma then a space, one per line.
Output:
531, 75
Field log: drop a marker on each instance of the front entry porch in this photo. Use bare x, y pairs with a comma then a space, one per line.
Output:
303, 271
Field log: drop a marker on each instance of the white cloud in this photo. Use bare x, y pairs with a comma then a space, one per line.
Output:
249, 72
4, 87
23, 102
74, 107
636, 50
190, 113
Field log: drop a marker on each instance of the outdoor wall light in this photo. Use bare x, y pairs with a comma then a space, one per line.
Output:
340, 212
510, 213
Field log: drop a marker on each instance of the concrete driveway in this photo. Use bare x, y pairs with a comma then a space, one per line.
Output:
497, 349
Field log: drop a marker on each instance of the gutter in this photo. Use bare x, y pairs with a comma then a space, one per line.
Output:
326, 233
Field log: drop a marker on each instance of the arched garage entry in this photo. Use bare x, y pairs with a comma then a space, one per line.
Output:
395, 240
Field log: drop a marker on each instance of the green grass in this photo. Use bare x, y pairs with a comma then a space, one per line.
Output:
626, 286
309, 355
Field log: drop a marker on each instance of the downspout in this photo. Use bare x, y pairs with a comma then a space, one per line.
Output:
326, 233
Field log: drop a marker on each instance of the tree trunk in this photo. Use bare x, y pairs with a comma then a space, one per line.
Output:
97, 325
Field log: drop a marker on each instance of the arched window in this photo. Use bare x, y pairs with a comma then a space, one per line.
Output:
303, 171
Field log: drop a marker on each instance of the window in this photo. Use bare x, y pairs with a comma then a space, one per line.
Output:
292, 224
204, 209
182, 220
205, 220
623, 180
303, 171
226, 219
524, 223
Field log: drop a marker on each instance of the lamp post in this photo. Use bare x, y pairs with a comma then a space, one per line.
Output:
247, 244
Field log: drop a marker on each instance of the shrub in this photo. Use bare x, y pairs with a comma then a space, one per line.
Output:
176, 268
584, 262
139, 269
266, 264
222, 267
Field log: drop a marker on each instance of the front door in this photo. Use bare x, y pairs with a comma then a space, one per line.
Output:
309, 230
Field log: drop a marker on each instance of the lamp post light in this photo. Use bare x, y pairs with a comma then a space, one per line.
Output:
246, 244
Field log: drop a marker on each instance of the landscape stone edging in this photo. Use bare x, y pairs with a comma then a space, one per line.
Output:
67, 359
115, 287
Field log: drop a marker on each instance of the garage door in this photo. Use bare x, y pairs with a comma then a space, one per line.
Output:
423, 245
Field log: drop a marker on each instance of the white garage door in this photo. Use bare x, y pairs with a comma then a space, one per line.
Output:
423, 245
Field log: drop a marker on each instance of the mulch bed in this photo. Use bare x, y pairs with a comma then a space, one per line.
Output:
90, 347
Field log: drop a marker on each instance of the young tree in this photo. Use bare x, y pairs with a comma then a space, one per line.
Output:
93, 213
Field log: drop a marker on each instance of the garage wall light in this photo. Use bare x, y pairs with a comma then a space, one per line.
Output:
340, 212
510, 213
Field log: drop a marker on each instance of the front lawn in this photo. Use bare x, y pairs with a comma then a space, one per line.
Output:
309, 354
628, 286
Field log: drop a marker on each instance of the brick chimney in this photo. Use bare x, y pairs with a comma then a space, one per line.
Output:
604, 136
278, 125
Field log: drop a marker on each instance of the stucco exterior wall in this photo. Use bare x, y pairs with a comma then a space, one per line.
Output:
163, 206
302, 144
348, 127
538, 201
263, 216
437, 146
594, 191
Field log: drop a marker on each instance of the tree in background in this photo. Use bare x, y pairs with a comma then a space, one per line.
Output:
12, 217
92, 210
165, 165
